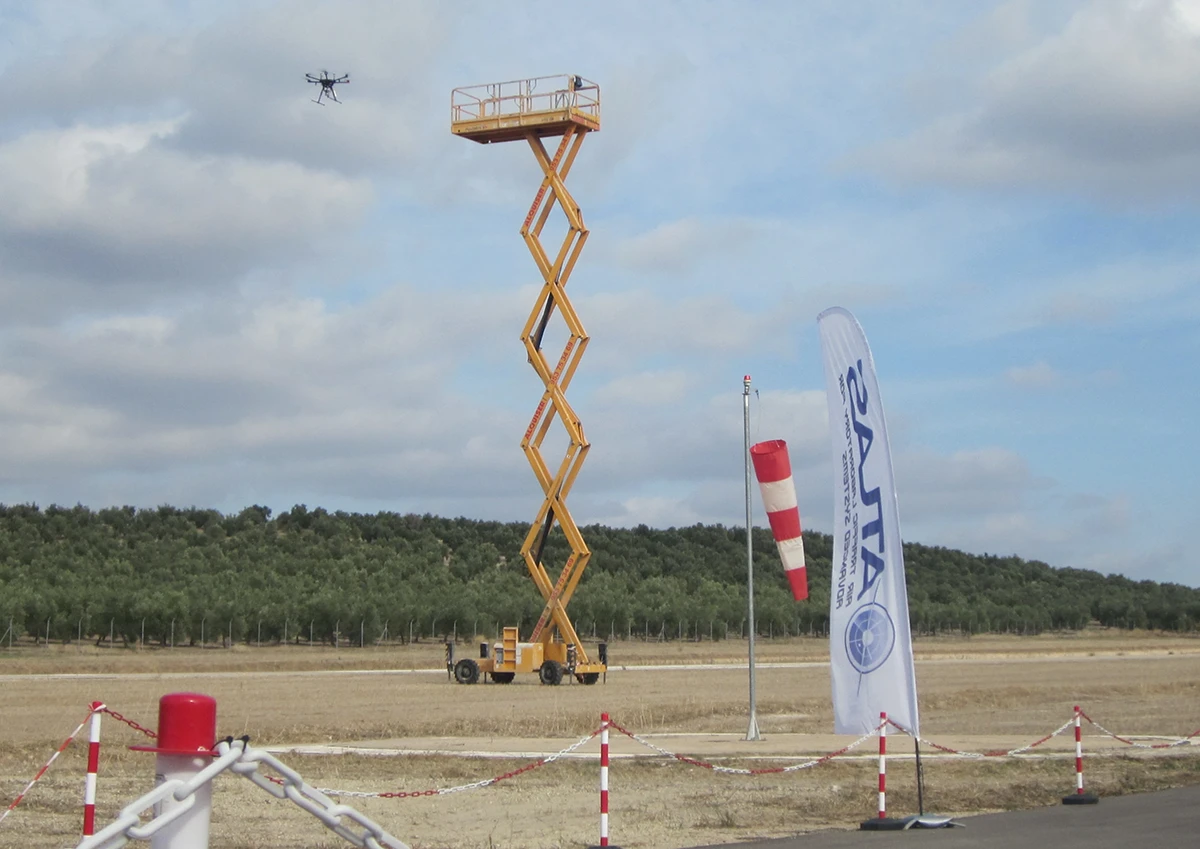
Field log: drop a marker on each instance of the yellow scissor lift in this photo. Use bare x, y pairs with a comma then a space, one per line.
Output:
533, 109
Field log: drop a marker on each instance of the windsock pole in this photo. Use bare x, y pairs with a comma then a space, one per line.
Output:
752, 730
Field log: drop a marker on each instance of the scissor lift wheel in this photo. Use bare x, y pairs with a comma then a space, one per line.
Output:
466, 671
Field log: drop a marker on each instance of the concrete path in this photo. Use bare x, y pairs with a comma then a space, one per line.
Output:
1169, 819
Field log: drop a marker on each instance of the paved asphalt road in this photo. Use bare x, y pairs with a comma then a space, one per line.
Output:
1169, 819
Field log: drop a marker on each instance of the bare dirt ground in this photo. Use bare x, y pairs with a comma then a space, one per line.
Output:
976, 694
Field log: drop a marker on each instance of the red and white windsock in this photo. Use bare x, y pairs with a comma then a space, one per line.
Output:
774, 472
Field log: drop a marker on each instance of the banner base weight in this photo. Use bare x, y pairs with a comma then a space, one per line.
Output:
906, 823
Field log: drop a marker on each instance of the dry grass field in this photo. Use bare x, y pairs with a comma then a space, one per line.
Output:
978, 693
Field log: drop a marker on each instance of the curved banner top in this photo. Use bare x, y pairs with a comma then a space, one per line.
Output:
870, 646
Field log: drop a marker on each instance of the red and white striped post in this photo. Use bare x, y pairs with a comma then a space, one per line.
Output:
93, 767
1078, 751
1079, 797
604, 779
45, 767
883, 765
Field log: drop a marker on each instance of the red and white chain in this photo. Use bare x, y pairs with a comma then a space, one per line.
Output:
1189, 740
146, 731
475, 785
728, 770
994, 753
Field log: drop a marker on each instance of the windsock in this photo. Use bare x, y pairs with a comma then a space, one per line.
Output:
774, 473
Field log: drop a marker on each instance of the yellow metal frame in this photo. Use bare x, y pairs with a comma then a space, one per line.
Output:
566, 106
509, 111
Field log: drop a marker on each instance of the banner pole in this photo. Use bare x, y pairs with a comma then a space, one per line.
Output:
920, 777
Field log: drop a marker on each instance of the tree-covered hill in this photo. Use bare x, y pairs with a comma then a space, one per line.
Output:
195, 575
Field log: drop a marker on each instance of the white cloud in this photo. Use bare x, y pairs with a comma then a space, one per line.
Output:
934, 486
96, 216
242, 80
640, 324
1105, 107
1141, 293
647, 388
116, 187
46, 174
1130, 293
679, 246
1083, 535
653, 511
990, 500
1040, 375
252, 381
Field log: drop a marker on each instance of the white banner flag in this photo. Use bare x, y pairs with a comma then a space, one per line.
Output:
870, 646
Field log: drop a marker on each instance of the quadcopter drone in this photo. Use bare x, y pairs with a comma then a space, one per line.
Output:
327, 83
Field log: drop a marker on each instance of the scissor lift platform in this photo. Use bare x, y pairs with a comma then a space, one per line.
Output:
543, 106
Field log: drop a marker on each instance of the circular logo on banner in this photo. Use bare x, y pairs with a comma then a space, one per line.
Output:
870, 637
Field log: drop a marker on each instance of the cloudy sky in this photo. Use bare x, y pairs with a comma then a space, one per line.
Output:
214, 292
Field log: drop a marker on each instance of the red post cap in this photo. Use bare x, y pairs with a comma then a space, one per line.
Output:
187, 725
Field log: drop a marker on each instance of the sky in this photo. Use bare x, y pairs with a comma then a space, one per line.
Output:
214, 292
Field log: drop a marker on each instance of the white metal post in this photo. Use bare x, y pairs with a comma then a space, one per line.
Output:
190, 831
